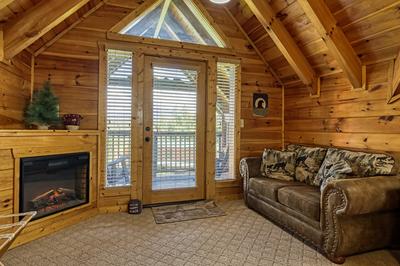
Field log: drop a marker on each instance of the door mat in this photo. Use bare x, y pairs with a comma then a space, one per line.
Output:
186, 212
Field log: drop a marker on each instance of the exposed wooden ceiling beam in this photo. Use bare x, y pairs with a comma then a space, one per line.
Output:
4, 3
65, 31
394, 94
208, 22
162, 17
145, 8
1, 44
253, 45
338, 45
186, 24
172, 32
285, 43
35, 22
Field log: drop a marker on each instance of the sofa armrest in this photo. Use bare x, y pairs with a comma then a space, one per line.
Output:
366, 195
250, 167
352, 207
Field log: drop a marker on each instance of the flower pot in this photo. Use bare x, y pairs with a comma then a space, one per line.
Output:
43, 127
72, 121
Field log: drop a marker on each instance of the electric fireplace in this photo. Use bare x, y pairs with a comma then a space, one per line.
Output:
50, 184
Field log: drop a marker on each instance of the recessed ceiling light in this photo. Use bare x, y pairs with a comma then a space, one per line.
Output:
220, 1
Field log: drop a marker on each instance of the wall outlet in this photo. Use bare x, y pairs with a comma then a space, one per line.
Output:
241, 123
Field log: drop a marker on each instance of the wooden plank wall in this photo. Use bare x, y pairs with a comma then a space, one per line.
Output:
258, 132
79, 48
14, 91
75, 83
344, 117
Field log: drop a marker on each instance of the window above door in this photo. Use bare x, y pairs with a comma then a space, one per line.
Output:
176, 20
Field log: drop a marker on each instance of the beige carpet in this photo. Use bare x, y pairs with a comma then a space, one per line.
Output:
242, 237
185, 212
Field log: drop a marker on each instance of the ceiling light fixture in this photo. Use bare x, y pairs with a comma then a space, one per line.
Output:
220, 1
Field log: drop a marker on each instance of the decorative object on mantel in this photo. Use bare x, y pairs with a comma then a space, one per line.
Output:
72, 121
135, 206
43, 109
10, 230
260, 104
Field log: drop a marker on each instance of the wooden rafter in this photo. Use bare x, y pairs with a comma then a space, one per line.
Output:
394, 93
162, 17
145, 8
65, 31
186, 24
1, 44
254, 46
285, 43
338, 45
172, 32
30, 25
4, 3
208, 22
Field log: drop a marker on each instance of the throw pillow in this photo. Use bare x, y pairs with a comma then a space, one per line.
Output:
362, 164
278, 164
337, 170
308, 162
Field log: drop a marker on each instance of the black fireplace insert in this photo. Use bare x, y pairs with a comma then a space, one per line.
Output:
50, 184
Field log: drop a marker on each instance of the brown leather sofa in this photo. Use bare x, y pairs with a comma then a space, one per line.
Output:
350, 215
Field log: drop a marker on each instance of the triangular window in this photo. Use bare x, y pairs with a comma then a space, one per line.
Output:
177, 20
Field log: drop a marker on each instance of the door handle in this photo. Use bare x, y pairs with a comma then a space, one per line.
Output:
147, 139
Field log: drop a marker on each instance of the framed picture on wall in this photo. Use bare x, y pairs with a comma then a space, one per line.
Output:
260, 104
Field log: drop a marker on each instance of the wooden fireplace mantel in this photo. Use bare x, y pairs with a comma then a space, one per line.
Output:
30, 132
17, 144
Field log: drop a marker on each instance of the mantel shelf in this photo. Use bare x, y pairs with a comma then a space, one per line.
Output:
34, 132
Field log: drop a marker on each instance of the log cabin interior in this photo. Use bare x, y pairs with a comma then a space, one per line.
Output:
199, 132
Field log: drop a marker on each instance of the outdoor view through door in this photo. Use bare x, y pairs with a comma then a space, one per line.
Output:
174, 121
174, 128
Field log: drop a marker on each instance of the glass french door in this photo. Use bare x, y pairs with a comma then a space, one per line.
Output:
174, 130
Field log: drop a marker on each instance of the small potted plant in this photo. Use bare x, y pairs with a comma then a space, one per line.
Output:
72, 121
43, 109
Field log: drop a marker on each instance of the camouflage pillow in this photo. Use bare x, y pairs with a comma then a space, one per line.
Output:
308, 162
336, 170
362, 164
278, 164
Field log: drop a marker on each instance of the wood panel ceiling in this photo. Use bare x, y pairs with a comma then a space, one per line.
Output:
371, 27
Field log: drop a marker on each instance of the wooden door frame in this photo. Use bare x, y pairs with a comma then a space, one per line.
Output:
173, 195
141, 50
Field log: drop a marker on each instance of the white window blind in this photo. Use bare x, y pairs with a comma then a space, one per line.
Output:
118, 117
174, 128
226, 120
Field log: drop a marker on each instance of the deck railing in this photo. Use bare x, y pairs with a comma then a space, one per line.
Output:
173, 152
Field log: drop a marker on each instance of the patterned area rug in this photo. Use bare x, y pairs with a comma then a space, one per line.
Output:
241, 237
186, 212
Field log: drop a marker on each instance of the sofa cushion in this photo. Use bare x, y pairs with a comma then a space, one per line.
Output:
268, 187
308, 162
362, 164
303, 199
278, 164
337, 170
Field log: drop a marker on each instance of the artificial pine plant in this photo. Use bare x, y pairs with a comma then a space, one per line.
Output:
43, 110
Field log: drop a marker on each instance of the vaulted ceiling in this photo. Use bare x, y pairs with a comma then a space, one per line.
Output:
357, 32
